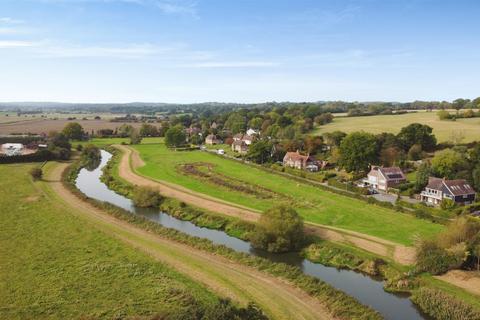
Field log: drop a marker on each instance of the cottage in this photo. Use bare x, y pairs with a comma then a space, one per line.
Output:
382, 178
240, 147
212, 139
299, 161
438, 189
238, 137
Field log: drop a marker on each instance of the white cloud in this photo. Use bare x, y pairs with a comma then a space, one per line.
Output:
11, 44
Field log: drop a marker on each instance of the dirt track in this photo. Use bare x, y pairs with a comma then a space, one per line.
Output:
468, 280
277, 298
131, 160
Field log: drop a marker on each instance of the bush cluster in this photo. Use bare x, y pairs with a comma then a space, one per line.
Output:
442, 306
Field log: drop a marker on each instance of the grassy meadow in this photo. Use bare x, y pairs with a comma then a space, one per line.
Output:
393, 123
314, 204
54, 265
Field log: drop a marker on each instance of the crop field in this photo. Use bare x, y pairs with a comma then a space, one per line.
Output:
254, 188
443, 130
41, 125
54, 265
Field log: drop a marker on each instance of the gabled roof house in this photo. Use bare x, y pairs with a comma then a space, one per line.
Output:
439, 189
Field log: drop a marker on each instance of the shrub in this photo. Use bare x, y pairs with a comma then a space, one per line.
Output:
146, 197
443, 306
447, 204
432, 258
79, 147
36, 173
279, 229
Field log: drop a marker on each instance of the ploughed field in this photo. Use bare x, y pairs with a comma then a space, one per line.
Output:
254, 188
40, 125
55, 265
443, 130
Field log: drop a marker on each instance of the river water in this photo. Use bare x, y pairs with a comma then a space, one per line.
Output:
366, 289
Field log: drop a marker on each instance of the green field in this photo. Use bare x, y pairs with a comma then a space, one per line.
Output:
54, 265
393, 123
315, 205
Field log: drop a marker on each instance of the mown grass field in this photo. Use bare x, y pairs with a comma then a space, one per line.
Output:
393, 123
314, 204
54, 265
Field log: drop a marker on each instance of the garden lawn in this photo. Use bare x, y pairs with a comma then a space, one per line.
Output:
54, 265
314, 204
393, 123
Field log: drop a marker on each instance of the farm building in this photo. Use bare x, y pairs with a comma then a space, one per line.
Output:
382, 178
299, 161
438, 189
12, 149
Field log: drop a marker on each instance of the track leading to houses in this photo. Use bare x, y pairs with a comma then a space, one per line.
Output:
279, 299
131, 160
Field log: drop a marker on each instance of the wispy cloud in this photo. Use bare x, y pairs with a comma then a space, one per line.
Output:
231, 64
12, 44
8, 20
178, 7
130, 51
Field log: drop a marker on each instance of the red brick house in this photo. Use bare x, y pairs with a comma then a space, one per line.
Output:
299, 161
382, 178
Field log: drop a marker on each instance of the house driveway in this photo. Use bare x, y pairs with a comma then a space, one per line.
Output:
385, 197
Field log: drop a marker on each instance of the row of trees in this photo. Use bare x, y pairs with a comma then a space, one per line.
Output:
358, 150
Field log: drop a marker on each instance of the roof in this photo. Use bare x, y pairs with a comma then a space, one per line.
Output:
296, 156
239, 143
248, 137
456, 187
390, 173
211, 137
238, 136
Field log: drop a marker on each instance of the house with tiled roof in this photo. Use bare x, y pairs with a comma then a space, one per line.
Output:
382, 178
212, 139
240, 147
299, 161
457, 190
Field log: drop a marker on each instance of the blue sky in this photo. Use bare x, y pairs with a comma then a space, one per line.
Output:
238, 50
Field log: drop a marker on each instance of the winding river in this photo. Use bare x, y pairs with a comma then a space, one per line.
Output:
366, 289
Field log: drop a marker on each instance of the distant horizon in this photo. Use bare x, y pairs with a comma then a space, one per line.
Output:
230, 102
182, 51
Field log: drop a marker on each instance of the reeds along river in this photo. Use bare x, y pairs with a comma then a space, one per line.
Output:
366, 289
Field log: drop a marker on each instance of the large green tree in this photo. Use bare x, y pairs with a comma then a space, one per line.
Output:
417, 133
260, 151
73, 131
358, 151
279, 229
447, 163
175, 136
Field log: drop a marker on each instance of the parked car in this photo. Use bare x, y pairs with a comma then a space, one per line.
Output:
220, 151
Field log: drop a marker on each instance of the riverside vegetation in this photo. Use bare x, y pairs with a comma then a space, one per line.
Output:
339, 304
